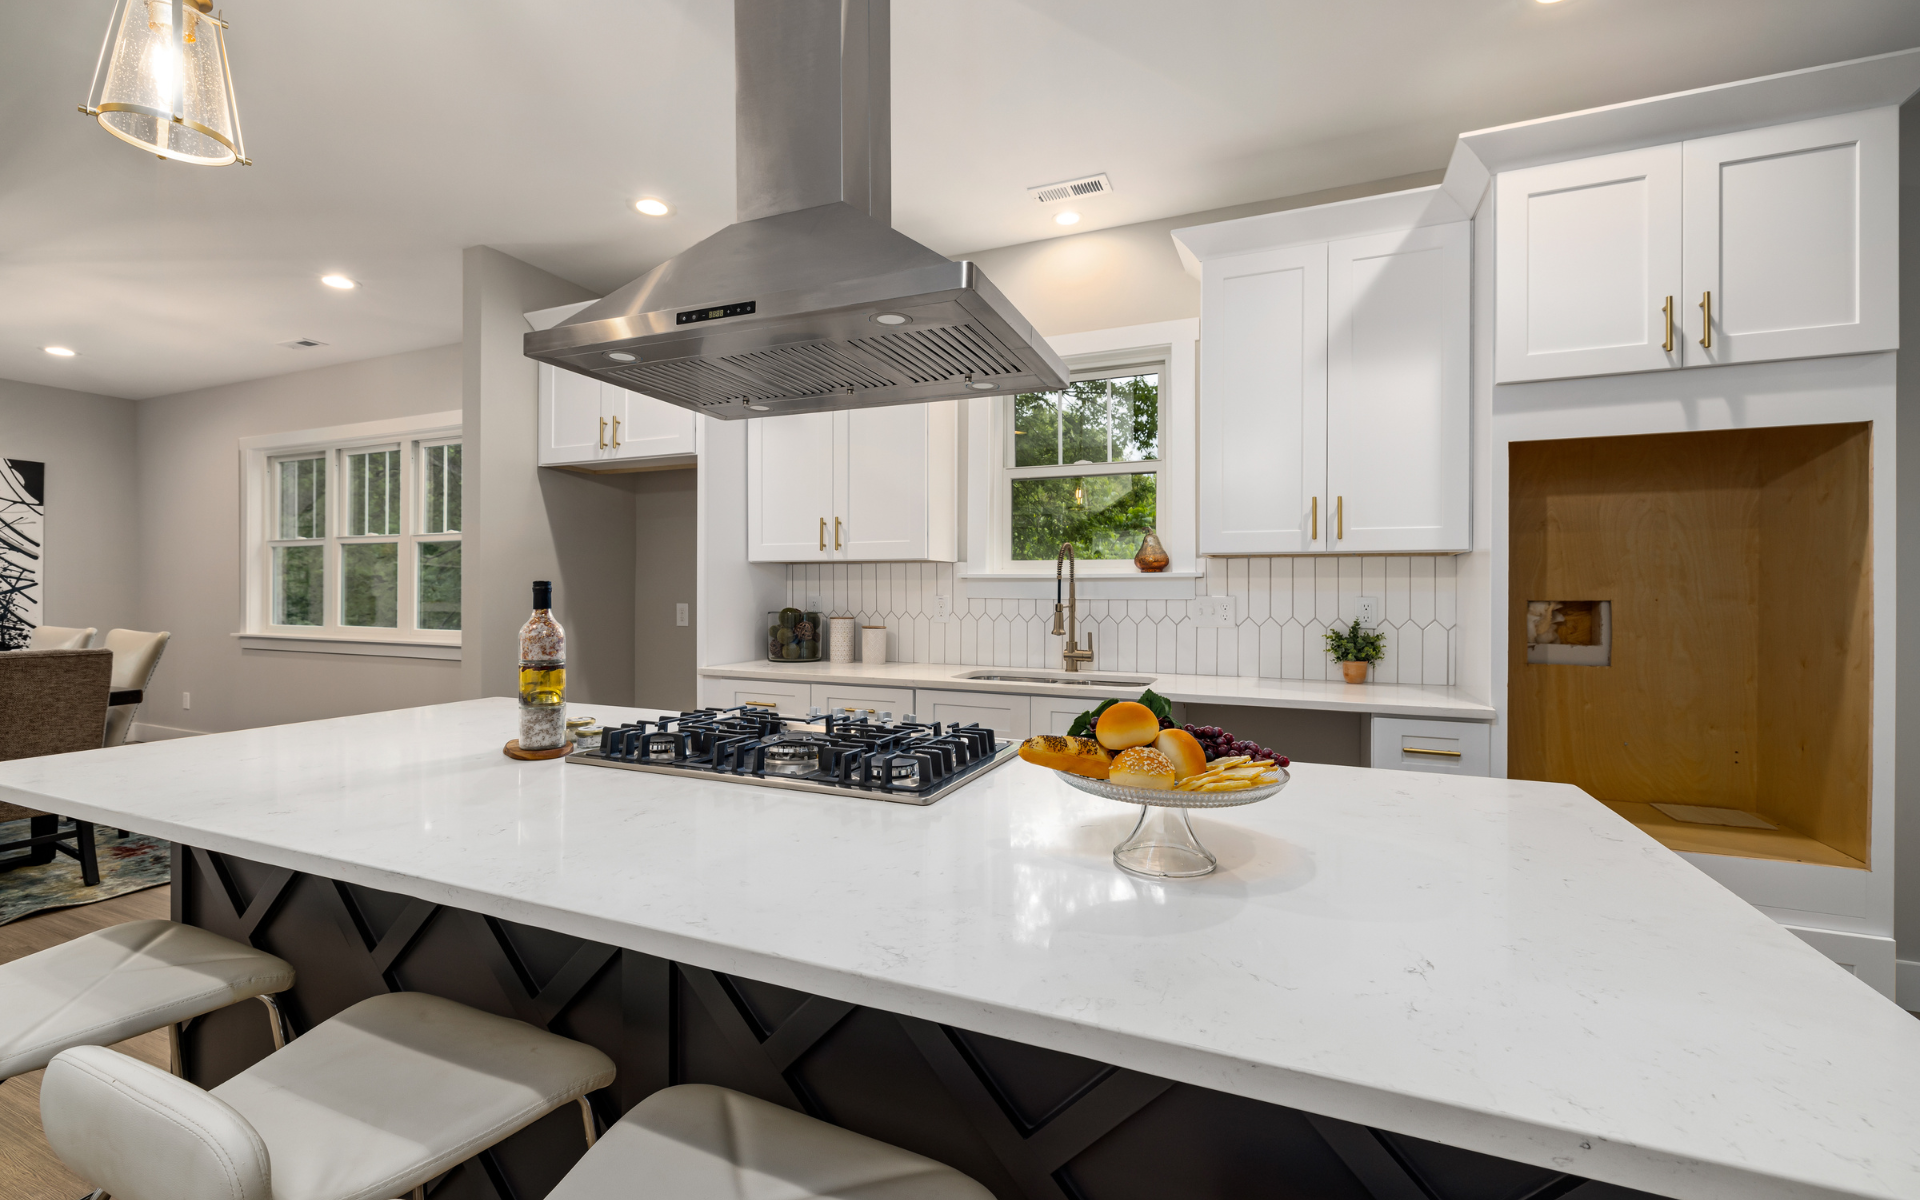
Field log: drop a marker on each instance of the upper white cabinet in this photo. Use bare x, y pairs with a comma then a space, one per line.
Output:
866, 485
1398, 405
593, 426
1334, 381
1588, 257
1263, 401
1766, 244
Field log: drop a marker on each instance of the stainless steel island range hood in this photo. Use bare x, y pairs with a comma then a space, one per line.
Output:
810, 301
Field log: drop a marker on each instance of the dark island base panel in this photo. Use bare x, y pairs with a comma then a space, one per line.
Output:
1029, 1123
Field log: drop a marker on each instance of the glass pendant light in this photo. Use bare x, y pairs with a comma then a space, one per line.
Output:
163, 84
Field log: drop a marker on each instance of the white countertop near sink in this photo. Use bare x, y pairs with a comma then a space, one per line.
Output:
1388, 699
1501, 965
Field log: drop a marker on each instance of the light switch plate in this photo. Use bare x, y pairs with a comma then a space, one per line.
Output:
1368, 610
1213, 612
942, 607
679, 614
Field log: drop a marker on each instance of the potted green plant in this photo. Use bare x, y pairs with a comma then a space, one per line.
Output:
1356, 649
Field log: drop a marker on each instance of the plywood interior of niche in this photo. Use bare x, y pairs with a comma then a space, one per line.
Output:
1738, 566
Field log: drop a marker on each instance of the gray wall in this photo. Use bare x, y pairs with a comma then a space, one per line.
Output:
1906, 785
665, 541
525, 523
1131, 274
92, 540
188, 522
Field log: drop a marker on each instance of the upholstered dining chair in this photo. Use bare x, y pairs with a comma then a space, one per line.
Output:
135, 657
52, 702
60, 637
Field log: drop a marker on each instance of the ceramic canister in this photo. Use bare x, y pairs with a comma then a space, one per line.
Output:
840, 639
873, 643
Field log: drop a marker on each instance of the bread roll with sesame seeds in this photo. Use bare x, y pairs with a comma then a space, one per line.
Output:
1142, 767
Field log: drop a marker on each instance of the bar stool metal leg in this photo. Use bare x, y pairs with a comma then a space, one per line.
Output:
276, 1021
586, 1117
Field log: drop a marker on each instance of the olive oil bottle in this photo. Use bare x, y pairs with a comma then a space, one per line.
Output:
543, 675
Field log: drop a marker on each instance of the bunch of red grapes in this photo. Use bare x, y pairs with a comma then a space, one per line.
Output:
1218, 743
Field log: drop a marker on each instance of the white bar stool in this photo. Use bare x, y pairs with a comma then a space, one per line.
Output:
368, 1105
120, 982
700, 1142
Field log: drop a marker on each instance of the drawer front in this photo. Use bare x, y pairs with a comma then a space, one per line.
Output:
864, 701
1442, 747
1005, 715
1056, 714
789, 699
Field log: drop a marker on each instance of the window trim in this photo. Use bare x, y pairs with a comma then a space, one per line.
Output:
257, 456
990, 573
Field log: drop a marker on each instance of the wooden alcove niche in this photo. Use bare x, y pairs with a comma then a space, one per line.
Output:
1739, 566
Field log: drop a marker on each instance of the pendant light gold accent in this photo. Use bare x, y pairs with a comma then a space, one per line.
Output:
163, 83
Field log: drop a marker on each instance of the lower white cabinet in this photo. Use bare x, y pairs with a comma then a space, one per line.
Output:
865, 701
788, 699
1005, 715
1442, 747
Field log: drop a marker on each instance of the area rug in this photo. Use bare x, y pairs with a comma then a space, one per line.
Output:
127, 864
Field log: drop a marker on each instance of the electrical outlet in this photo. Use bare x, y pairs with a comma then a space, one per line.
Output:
942, 607
1213, 612
1368, 610
186, 699
813, 604
679, 614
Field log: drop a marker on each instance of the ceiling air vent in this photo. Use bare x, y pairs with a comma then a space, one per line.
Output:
1072, 189
300, 344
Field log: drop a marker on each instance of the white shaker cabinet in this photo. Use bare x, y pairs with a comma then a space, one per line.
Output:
1588, 266
1793, 233
1335, 401
1398, 407
591, 425
1263, 402
866, 485
1771, 243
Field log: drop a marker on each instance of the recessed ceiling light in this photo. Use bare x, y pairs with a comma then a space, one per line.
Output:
652, 207
891, 318
619, 356
59, 351
1067, 218
338, 281
757, 407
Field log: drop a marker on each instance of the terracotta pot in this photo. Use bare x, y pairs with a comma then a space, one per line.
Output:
1356, 672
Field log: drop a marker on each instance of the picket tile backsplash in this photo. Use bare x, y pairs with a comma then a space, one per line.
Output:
1283, 607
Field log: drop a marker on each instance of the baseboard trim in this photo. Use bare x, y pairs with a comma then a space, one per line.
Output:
1907, 985
143, 732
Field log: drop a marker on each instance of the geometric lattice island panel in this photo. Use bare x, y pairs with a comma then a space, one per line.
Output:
1028, 1122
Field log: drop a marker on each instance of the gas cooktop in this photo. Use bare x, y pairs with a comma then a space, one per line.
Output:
878, 758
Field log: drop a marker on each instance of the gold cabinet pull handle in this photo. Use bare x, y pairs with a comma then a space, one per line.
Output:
616, 433
1315, 535
823, 534
1706, 320
1435, 753
603, 433
758, 704
836, 533
1668, 347
1339, 518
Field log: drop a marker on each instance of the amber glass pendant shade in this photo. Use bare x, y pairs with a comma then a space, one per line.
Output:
1151, 556
163, 84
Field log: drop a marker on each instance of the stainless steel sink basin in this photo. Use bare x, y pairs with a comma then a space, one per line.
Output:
1060, 677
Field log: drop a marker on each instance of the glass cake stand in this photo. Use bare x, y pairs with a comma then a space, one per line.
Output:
1162, 845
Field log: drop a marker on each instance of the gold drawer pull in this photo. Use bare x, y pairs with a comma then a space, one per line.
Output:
1436, 753
758, 704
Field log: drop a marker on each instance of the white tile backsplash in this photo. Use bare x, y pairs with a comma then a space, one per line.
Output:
1284, 606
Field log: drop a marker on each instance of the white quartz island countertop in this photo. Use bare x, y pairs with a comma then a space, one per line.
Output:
1503, 966
1332, 695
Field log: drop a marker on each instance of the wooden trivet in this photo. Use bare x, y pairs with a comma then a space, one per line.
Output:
512, 750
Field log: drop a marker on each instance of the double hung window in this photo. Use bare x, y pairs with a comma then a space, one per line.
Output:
1083, 465
359, 536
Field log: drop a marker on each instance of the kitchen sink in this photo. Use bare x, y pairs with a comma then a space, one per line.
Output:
1061, 677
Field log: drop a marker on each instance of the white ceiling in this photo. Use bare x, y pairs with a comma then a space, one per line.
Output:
388, 137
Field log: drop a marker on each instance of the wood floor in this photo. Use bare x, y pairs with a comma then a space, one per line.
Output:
28, 1169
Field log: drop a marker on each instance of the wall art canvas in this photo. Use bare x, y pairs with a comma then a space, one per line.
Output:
23, 562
